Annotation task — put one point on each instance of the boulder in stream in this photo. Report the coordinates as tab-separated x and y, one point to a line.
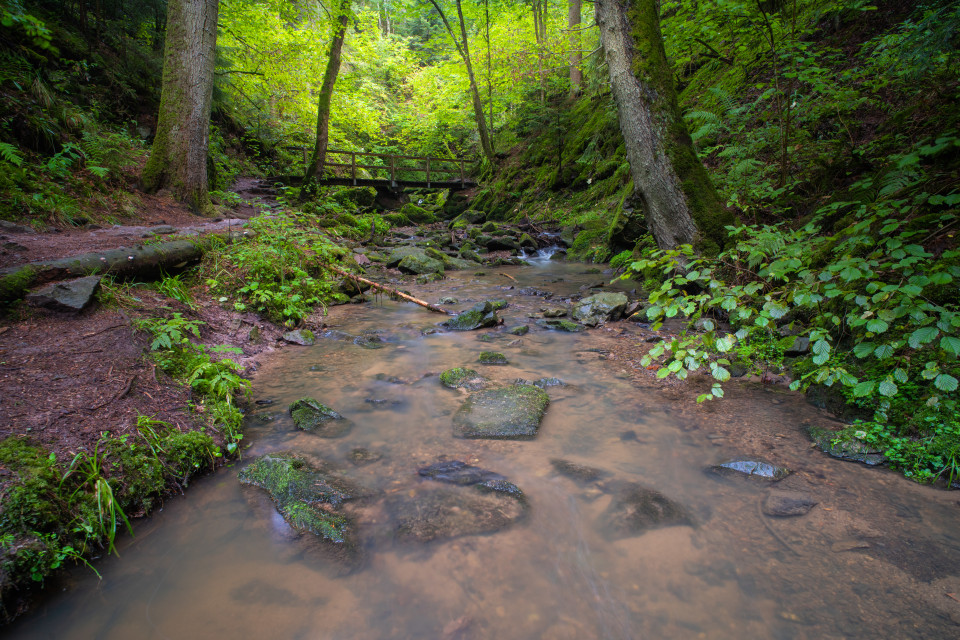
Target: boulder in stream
302	337
492	357
479	316
751	469
578	472
461	473
636	509
307	496
559	324
420	264
846	446
600	308
512	412
317	418
461	377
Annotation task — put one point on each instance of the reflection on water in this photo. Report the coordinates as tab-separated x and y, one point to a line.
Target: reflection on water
223	563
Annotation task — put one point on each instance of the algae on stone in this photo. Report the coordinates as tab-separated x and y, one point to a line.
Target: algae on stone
461	377
315	417
558	324
479	316
512	412
307	497
492	357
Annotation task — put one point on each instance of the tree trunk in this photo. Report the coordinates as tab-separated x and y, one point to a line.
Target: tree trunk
326	95
678	200
464	52
178	158
573	22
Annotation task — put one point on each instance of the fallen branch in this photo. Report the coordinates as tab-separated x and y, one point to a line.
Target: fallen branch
393	292
507	276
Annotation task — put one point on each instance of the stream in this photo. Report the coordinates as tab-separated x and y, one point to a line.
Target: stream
876	557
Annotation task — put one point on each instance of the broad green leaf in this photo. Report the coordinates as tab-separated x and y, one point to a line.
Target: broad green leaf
877	326
945	382
951	344
821	347
864	389
900	375
863	349
721	374
922	336
888	388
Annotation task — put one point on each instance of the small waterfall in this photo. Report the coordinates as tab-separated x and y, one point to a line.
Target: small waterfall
541	256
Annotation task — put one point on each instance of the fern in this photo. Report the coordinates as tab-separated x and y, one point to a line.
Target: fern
9	154
896	181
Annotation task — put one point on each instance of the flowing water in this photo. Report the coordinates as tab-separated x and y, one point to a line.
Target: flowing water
876	558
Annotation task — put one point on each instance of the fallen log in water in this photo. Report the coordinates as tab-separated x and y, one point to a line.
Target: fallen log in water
385	289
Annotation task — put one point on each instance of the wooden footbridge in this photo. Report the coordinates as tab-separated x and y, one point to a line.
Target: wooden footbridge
392	171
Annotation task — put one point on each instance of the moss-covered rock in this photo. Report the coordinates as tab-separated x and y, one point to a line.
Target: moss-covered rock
397	219
845	446
519	330
492	357
308	498
461	377
479	316
417	215
315	417
490	227
356	196
399	254
512	412
419	263
470	255
559	324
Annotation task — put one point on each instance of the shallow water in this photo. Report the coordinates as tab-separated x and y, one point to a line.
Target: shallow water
874	559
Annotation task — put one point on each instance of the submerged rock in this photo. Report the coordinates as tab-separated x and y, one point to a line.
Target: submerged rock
461	473
444	511
317	418
599	308
787	503
558	324
512	412
519	330
636	509
479	316
492	357
845	445
579	472
420	264
553	312
361	456
462	377
751	468
306	496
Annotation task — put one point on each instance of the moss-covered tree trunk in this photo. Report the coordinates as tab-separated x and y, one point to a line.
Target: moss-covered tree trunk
315	165
178	158
671	185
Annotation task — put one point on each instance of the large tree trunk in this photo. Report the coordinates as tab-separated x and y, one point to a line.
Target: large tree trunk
573	22
464	51
178	158
326	96
679	202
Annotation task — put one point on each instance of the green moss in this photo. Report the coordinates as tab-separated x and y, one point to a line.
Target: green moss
14	285
492	357
461	377
189	453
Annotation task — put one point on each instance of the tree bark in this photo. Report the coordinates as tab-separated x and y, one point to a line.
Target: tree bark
178	158
671	185
573	22
326	96
464	51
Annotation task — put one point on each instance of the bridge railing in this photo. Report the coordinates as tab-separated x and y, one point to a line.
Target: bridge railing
394	167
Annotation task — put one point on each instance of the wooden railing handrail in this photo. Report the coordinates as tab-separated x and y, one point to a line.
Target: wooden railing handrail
460	163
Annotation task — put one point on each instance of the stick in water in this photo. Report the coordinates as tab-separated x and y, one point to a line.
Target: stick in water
393	292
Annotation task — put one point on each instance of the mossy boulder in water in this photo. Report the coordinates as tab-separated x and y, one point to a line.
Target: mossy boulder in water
400	253
462	377
636	509
599	308
559	324
420	264
492	357
479	316
315	417
512	412
307	497
846	446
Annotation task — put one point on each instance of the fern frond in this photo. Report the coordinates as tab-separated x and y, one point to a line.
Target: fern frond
896	181
9	154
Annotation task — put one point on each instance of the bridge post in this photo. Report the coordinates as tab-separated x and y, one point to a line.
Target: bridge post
463	181
393	171
428	173
353	167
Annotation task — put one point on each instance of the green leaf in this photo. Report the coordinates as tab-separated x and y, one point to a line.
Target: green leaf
877	326
945	382
864	389
900	375
821	348
721	374
883	352
888	388
922	336
863	349
951	344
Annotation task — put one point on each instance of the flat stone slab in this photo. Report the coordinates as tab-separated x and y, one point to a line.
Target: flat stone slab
439	511
846	447
599	308
71	295
511	413
317	418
